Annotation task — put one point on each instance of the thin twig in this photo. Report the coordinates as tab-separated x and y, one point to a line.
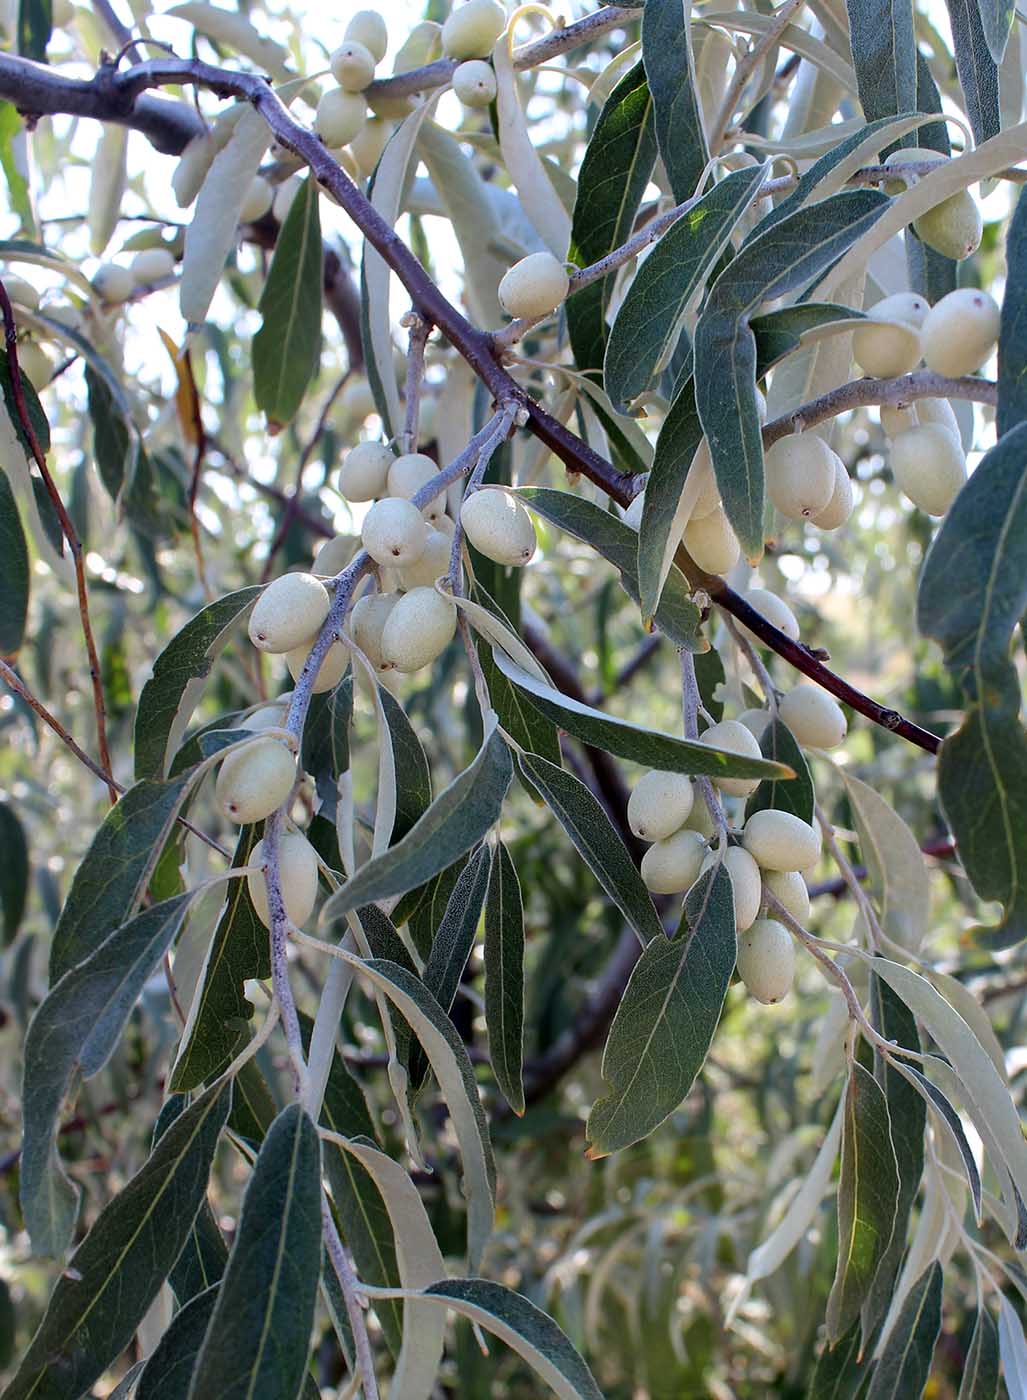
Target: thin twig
419	331
848	874
746	66
347	1277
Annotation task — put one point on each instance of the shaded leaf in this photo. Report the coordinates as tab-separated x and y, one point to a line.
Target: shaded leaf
944	1110
794	795
18	192
36	415
14	872
35	23
169	1370
980	1369
839	1373
1012	1349
413	777
896	868
14	572
122	462
678	121
884	55
666	1019
904	1366
205	1253
978	72
504	977
1012	341
325	752
287	347
454	937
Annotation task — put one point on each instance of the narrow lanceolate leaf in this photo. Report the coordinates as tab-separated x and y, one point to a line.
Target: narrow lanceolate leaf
205	1253
14	572
649	320
996	22
895	865
455	821
14	873
884	54
614	173
677	616
666	1019
453	938
789	255
978	72
169	1370
980	1369
504	977
973	593
287	348
794	795
1012	341
413	776
866	1198
905	1364
258	1339
121	460
238	951
169	697
669	496
597	842
839	1373
947	1115
1012	1349
678	121
77	1026
111	880
115	1273
325	753
650	747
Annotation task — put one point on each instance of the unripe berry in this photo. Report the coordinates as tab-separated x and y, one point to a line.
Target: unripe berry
334	555
814	717
756	721
709	496
257	200
357	400
34	363
712	543
367	146
433	563
953	228
255	780
474	83
893	347
780	840
63	12
339	117
735	738
940	413
472	29
152	265
746	885
960	332
282	202
535	286
498	526
700	819
21	293
297	868
267	717
929	467
367	623
898	418
192	167
907	155
352	65
659	805
394	532
331	670
368	27
408	474
672	865
419	628
775	610
113	284
791	889
289	612
800	475
766	960
839	507
365	471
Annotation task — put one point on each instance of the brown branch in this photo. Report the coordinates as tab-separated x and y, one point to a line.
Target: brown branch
69	531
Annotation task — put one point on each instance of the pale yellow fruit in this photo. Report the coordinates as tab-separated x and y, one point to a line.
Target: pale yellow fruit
408	474
712	543
152	265
257	200
357	401
755	721
352	65
700	819
814	717
192	167
766	961
781	841
297	869
474	83
893	346
746	885
367	146
20	292
898	418
63	12
709	497
419	628
334	555
255	780
907	155
282	202
394	532
939	412
34	363
288	613
929	467
113	283
364	472
472	29
800	475
331	670
960	332
367	623
659	805
775	610
953	228
498	526
368	27
433	563
267	717
535	286
839	507
791	889
672	865
732	737
339	117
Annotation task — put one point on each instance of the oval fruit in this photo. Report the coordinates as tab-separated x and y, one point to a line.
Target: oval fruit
152	265
800	475
672	866
746	884
113	284
339	117
257	200
892	347
839	507
732	737
659	805
394	532
929	467
297	869
535	286
775	610
289	612
712	543
365	471
433	563
474	83
368	27
953	228
255	780
498	526
814	717
791	889
419	628
766	961
472	29
781	841
960	332
352	65
367	623
331	670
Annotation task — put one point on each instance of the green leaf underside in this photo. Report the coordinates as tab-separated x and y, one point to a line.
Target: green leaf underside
14	572
904	1366
37	418
504	977
115	1273
678	121
664	1025
286	348
259	1334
